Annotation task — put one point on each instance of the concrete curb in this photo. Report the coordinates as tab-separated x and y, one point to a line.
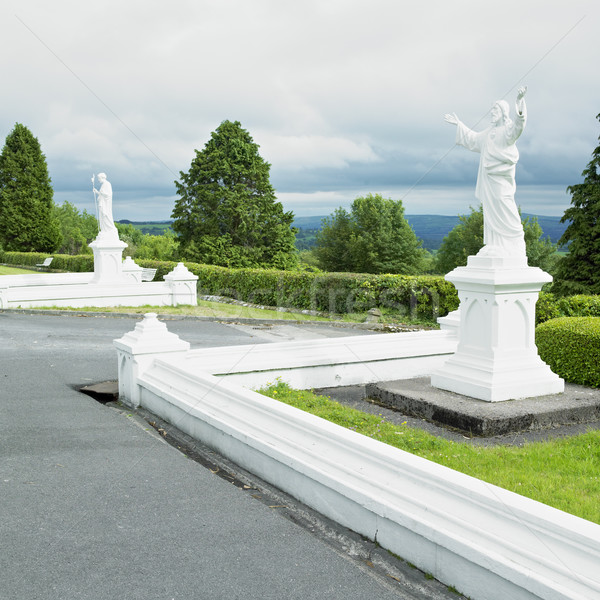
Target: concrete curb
233	320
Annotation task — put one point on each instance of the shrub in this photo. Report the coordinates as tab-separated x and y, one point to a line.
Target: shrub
61	262
420	296
550	306
579	306
546	308
570	346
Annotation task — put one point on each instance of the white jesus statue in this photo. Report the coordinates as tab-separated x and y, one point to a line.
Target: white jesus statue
502	227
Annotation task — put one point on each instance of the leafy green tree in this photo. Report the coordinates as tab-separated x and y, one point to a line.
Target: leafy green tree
131	235
227	213
579	271
466	239
374	237
158	247
541	252
77	229
27	221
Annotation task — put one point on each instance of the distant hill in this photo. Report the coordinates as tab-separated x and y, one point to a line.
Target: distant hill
430	228
151	227
308	222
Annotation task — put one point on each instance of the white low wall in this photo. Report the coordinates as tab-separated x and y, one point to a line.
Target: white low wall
44	279
80	295
325	362
487	542
76	290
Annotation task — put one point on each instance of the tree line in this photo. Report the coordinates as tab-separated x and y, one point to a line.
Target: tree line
226	213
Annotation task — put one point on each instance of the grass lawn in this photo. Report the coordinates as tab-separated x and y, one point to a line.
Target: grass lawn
563	473
13	271
204	309
217	310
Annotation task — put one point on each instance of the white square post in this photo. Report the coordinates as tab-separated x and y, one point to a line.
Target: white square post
137	350
183	285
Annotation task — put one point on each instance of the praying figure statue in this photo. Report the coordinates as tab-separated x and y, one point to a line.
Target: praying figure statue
502	227
103	198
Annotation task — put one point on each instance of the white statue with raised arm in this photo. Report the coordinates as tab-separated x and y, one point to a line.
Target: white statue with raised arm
502	227
103	198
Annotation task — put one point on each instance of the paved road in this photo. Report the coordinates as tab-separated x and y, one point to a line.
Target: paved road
95	505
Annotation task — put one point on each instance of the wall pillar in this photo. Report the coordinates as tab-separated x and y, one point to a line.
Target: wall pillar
183	284
137	350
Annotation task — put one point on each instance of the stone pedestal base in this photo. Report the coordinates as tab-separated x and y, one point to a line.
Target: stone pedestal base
496	358
108	260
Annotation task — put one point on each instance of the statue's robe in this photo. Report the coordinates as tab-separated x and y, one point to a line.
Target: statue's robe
105	216
502	227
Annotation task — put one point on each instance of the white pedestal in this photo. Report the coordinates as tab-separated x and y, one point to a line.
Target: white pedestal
108	253
496	358
132	272
183	285
137	350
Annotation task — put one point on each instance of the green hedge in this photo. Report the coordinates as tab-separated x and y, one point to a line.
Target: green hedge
550	306
61	262
571	348
421	296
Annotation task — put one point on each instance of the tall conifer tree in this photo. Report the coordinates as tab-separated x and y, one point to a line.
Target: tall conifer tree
227	213
27	221
579	271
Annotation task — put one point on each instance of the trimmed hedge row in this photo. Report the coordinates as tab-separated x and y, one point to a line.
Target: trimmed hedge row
550	306
422	296
61	262
570	346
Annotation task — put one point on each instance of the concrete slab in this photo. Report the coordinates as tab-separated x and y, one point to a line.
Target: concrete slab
416	397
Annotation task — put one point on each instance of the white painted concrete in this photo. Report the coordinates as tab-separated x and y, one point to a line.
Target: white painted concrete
81	289
497	358
326	362
108	259
487	542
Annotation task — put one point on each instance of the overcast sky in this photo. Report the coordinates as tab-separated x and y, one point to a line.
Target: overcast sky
344	97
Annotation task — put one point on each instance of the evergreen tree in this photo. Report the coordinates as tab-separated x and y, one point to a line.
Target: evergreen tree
374	237
27	220
466	239
227	213
579	271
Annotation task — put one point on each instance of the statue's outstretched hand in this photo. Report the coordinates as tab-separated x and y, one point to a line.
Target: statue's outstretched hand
521	92
451	118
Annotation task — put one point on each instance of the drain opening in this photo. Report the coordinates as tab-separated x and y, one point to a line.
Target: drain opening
104	392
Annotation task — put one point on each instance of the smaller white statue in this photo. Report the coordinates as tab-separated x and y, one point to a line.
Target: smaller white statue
103	198
502	227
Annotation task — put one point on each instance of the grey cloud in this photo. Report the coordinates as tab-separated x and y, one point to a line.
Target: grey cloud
366	84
